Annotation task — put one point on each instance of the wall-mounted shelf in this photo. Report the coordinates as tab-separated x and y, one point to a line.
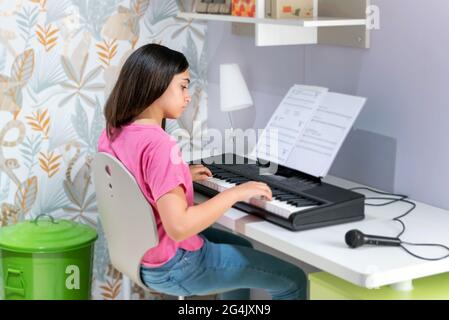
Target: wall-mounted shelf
335	22
308	22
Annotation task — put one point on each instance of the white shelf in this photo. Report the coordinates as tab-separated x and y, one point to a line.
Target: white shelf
308	22
334	22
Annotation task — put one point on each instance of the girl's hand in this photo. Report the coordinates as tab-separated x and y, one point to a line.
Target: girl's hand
252	189
199	172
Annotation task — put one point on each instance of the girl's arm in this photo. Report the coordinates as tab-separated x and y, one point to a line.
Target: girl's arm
181	221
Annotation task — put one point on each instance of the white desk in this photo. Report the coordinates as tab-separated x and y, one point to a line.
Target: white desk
368	266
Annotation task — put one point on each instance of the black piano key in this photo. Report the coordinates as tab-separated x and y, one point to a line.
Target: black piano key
232	180
228	175
281	196
224	176
276	193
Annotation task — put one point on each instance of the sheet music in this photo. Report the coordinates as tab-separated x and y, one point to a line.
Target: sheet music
309	140
317	147
288	122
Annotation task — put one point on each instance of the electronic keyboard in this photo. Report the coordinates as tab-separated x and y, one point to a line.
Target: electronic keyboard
299	202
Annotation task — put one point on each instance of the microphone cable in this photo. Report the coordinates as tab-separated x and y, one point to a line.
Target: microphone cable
393	198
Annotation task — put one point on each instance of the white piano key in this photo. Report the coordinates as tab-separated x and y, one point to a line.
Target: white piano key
277	207
281	208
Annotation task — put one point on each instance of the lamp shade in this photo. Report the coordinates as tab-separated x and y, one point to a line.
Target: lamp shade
234	93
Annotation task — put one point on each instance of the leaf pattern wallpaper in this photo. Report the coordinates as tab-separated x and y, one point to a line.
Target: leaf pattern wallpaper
59	60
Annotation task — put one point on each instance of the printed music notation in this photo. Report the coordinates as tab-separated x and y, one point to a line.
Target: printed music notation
287	123
308	128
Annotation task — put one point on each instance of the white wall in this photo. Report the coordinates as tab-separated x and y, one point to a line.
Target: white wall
402	141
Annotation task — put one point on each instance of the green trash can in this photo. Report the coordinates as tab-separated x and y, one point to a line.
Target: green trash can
46	259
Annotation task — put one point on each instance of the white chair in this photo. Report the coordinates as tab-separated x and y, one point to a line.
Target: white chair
126	216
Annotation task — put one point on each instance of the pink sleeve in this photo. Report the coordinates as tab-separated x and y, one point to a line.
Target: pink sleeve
165	169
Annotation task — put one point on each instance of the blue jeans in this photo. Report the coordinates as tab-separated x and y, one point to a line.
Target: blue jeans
225	264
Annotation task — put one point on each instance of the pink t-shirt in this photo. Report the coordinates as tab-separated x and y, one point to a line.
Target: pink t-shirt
154	159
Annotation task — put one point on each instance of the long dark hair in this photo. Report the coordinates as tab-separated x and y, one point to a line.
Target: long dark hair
144	77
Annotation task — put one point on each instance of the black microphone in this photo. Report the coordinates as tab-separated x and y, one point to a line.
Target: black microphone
356	238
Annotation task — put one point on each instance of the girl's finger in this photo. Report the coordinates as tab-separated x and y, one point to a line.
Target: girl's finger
208	172
267	192
203	176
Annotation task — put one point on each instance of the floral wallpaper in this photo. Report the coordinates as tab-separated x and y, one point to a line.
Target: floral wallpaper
59	60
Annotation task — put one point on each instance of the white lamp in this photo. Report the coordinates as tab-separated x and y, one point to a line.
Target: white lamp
234	93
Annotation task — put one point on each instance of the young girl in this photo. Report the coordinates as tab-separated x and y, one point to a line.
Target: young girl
191	258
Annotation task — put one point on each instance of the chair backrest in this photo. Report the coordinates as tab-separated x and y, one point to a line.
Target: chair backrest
126	215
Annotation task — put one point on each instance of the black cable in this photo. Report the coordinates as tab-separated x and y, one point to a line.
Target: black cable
401	198
381	204
380	192
428	245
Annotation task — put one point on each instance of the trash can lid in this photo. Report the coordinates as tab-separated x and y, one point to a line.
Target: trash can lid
43	235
